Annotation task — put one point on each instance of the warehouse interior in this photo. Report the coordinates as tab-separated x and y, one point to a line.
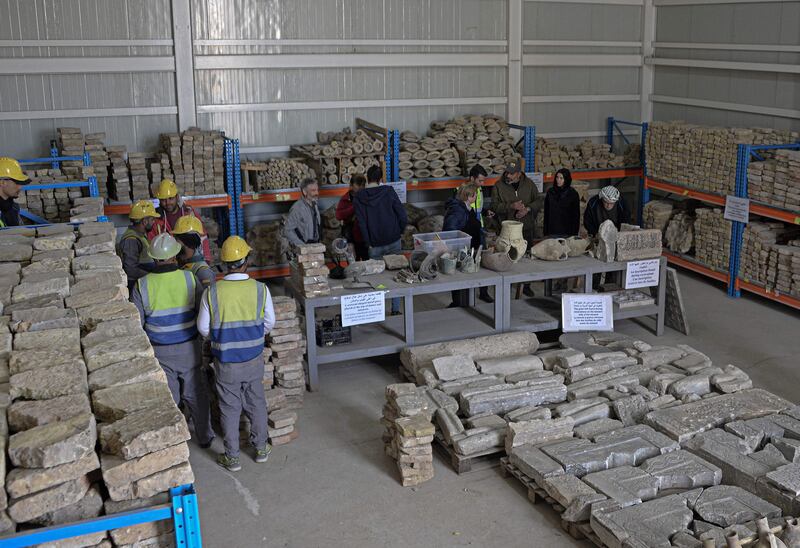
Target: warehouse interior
473	403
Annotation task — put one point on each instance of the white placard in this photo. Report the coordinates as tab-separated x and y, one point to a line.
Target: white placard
587	312
642	273
363	308
537	178
737	209
400	188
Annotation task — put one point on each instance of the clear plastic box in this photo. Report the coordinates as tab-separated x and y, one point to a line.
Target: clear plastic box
441	242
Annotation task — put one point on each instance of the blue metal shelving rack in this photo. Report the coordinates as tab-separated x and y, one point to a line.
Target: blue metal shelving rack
182	510
55	162
233	184
393	155
612	127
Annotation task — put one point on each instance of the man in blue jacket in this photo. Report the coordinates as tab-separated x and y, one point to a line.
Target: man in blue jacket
381	218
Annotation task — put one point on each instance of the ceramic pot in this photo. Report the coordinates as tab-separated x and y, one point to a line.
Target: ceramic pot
511	240
553	249
791	534
498	261
447	265
732	540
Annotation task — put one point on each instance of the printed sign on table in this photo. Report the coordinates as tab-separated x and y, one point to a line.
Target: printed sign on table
586	312
363	308
642	273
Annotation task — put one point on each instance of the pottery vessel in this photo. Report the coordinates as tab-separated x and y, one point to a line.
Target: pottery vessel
791	534
498	261
511	240
732	540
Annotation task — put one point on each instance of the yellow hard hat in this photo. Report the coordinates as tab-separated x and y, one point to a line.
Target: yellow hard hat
164	247
142	209
188	224
234	249
166	189
9	169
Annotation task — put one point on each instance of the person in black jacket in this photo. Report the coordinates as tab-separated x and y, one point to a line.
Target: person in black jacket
608	205
562	207
381	218
461	215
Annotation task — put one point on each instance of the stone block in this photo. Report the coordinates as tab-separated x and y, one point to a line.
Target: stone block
100	261
528	413
162	480
99	296
503	401
36	302
48	265
91	245
91	316
682	470
449	424
58	241
687	420
40	319
90	506
534	463
48	383
487	420
24	415
27	360
790	448
692	384
538	432
510	365
38	504
67	340
116	402
54	444
625	485
92	228
138	370
109	330
630	410
659	355
27	290
134	534
726	505
786	478
638	244
478	440
594	428
55	230
118	350
88	280
565	488
15	253
449	368
729	453
25	481
144	432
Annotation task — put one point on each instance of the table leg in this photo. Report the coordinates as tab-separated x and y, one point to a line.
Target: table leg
505	295
311	348
471	299
548	288
499	311
408	318
587	283
662	296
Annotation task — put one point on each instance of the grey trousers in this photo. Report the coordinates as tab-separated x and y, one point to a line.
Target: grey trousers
181	364
240	389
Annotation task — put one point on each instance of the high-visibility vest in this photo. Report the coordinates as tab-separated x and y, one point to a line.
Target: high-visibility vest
237	310
169	306
478	205
144	258
196	267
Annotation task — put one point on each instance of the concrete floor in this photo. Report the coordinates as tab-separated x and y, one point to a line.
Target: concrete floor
334	486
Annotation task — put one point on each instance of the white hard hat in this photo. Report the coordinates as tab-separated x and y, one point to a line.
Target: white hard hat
164	247
610	194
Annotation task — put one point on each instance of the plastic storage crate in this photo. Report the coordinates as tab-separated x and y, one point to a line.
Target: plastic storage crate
441	242
331	333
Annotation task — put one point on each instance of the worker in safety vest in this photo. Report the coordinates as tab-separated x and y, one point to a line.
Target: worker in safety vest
188	231
168	299
133	245
237	313
12	179
171	208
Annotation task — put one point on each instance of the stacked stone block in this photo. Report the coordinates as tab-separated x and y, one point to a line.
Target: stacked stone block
776	182
702	157
288	345
309	272
409	433
195	161
552	156
89	404
712	234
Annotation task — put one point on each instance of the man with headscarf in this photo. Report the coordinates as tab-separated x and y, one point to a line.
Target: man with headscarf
608	205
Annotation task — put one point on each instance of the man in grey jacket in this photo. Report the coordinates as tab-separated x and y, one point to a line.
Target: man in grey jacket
303	224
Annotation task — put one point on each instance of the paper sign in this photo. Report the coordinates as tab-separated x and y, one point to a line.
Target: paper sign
586	312
363	308
737	209
400	188
537	178
642	273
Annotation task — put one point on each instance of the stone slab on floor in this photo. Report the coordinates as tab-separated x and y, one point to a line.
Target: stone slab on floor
54	444
144	432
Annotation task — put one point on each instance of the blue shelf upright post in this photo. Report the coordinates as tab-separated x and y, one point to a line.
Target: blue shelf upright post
237	178
737	228
230	187
610	132
644	192
186	517
530	148
395	155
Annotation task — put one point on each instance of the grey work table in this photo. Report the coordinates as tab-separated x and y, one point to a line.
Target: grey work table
506	314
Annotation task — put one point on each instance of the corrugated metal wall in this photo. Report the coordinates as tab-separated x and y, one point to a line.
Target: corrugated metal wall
762	33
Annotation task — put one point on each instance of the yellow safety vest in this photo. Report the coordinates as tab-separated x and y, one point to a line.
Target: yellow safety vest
237	311
168	299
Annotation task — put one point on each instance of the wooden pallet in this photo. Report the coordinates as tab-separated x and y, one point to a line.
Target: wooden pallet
461	464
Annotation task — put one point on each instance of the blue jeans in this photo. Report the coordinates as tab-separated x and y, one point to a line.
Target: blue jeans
378	252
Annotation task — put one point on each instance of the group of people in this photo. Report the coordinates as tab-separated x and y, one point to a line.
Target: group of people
179	301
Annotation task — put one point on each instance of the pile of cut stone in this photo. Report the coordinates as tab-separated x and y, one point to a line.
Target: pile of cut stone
703	157
337	156
776	182
287	343
409	432
712	238
422	158
624	478
77	339
269	245
50	204
309	272
657	214
194	159
552	155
